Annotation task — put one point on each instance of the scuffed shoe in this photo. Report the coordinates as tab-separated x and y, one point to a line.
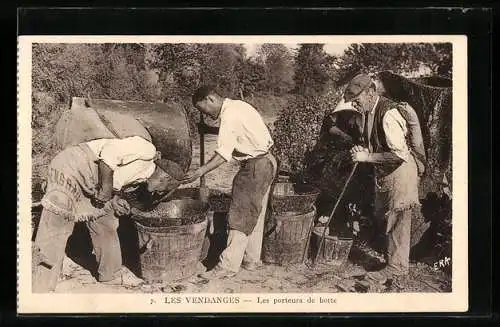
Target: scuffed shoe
69	268
251	266
379	277
200	268
383	275
125	278
217	272
354	272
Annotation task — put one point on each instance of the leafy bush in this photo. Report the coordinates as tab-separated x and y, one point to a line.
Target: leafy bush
297	127
46	112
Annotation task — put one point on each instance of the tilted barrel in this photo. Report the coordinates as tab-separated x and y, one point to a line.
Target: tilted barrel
167	127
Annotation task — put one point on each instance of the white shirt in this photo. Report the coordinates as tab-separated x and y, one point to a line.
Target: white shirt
242	129
395	130
131	158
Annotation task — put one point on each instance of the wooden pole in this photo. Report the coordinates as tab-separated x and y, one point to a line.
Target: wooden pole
203	189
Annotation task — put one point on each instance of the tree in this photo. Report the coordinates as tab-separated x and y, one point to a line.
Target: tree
311	72
183	67
219	65
251	76
278	63
401	58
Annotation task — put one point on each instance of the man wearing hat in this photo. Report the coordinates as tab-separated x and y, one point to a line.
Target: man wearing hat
83	184
396	174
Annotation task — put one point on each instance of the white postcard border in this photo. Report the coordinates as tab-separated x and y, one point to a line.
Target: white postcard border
455	301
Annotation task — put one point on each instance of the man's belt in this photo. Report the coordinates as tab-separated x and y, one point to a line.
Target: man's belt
256	157
260	156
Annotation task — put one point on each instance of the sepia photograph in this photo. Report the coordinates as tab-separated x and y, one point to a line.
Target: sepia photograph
242	173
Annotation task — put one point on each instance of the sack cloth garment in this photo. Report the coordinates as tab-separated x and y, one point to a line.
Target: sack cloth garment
71	184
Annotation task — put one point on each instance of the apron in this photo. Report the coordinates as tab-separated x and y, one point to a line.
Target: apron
399	189
250	185
397	192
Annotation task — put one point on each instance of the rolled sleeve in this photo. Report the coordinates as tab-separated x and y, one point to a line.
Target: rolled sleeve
395	132
226	141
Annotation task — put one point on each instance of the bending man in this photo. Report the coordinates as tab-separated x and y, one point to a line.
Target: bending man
73	194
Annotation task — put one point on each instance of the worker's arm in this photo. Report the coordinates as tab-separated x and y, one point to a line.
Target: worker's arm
360	154
212	164
395	131
383	157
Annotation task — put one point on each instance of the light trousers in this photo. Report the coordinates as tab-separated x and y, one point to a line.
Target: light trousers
241	247
52	236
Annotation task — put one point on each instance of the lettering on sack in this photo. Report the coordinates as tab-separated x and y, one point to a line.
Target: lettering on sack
58	177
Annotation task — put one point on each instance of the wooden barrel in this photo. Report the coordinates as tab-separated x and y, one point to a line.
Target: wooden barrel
171	252
334	250
286	242
166	127
294	197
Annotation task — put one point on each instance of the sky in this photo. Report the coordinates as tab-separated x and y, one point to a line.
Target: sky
330	48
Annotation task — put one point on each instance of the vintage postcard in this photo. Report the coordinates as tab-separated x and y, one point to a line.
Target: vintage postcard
242	174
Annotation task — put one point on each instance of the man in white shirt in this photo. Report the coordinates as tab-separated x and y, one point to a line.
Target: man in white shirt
243	136
385	146
72	186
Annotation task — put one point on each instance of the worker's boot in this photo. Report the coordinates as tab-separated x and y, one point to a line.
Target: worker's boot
383	275
251	266
218	272
124	277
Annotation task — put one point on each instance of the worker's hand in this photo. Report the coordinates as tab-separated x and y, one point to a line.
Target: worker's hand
361	156
120	206
357	148
191	176
323	219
